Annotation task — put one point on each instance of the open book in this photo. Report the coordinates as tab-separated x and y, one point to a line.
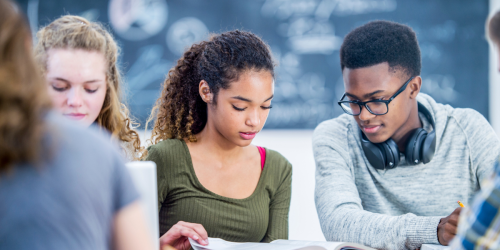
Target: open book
219	244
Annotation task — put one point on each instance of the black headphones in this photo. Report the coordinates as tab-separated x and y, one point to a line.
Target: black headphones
419	148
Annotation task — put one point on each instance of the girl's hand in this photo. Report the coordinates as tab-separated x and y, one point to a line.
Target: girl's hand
178	235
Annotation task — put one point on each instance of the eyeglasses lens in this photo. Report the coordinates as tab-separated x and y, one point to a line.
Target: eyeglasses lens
350	108
377	108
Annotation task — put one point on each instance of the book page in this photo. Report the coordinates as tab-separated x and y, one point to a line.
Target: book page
213	244
220	244
294	244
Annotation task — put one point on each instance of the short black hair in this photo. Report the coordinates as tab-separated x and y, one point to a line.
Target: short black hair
382	41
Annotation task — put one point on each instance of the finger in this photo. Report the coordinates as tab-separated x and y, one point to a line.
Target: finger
441	238
167	239
177	232
457	210
446	239
450	236
450	228
453	220
198	228
188	232
179	227
174	231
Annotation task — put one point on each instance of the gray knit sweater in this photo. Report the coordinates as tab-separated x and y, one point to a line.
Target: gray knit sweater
399	208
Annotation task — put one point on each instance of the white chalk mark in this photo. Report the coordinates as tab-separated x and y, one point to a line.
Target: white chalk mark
184	33
315	44
148	69
138	19
91	15
356	7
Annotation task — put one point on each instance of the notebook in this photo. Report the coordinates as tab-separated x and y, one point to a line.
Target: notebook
219	244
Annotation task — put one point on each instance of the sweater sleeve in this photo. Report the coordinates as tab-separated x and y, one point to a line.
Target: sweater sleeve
155	155
279	208
339	206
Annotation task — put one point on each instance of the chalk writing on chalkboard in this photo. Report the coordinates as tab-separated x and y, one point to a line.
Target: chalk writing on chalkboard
305	37
137	20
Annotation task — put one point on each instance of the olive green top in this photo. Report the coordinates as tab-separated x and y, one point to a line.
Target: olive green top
263	216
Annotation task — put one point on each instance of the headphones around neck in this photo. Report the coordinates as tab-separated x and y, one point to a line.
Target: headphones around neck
419	148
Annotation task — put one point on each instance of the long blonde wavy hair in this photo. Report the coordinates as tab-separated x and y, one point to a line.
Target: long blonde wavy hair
23	98
74	32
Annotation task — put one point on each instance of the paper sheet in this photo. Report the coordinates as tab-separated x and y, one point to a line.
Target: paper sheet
219	244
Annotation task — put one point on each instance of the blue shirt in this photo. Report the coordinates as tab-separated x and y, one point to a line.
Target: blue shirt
69	201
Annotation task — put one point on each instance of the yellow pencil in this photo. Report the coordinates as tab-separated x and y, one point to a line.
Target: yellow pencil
461	204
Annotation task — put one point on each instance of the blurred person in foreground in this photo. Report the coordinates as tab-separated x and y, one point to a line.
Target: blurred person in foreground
479	224
79	61
61	186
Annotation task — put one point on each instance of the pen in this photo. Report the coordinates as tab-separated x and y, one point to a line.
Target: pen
460	203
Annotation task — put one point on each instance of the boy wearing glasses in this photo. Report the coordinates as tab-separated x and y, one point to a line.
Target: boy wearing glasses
390	171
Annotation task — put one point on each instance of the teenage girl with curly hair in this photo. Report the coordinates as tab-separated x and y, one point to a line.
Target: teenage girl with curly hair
214	102
79	61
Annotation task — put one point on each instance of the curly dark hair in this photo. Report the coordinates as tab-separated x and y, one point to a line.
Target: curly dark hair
382	41
180	112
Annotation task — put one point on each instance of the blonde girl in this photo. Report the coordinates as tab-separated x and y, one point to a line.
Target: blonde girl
79	61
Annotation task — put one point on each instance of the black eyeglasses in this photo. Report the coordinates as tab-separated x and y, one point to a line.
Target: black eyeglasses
376	107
